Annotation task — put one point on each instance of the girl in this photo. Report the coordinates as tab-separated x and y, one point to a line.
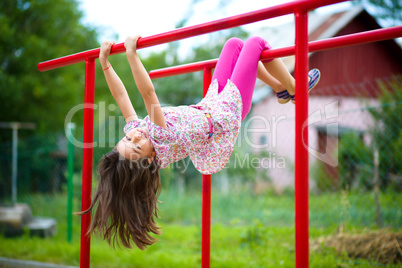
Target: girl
129	183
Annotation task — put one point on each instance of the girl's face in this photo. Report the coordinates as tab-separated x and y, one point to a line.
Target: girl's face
136	144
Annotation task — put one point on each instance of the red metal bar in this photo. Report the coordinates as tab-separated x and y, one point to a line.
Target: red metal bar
301	154
183	69
186	32
314	46
87	160
357	38
339	41
206	195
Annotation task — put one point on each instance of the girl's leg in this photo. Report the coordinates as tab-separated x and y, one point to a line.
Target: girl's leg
245	72
227	61
268	79
278	70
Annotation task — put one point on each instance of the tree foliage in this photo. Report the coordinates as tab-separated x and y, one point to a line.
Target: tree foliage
33	31
356	164
387	10
387	133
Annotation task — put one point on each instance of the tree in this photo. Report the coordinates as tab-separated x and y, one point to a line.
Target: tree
355	162
389	11
33	31
387	133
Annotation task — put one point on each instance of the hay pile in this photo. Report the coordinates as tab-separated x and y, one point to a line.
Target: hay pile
383	247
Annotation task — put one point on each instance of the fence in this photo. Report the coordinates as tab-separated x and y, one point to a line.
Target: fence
300	9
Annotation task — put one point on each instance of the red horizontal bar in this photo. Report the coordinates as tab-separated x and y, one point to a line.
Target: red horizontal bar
186	32
183	69
314	46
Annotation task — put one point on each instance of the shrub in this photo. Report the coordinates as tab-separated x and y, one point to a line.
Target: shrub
355	162
387	134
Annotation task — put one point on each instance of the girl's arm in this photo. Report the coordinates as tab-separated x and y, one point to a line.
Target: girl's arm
144	83
116	86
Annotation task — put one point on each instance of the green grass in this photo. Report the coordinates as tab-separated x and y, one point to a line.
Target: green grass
247	231
327	210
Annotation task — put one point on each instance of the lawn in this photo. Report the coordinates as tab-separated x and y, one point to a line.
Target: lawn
247	231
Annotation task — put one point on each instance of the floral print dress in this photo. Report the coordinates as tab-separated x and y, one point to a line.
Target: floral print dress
188	128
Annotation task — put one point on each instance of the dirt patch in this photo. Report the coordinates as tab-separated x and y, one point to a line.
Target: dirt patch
383	247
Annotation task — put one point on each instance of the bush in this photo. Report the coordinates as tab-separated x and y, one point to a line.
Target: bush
355	162
387	134
323	181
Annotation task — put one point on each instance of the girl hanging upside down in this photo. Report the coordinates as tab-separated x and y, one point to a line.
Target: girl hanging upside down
129	186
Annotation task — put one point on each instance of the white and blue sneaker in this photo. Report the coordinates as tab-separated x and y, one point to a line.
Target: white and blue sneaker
283	96
315	76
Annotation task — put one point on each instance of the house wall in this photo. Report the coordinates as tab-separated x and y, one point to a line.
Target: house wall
354	70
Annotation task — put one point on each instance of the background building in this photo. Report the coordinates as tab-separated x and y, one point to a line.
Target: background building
341	102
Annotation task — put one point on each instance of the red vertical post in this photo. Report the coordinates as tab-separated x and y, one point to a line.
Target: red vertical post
301	163
206	195
87	159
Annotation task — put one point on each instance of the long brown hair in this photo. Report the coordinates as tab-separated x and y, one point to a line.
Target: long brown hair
127	198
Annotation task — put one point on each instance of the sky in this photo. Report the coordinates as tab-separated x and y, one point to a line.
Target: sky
149	17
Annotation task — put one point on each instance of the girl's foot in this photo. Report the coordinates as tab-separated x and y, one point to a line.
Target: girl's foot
314	77
283	96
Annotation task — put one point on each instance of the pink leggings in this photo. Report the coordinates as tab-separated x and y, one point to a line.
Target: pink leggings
239	63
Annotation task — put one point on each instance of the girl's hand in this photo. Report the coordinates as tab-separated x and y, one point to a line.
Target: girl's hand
105	49
131	43
105	52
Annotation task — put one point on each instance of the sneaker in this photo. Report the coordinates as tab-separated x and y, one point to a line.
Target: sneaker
315	76
283	97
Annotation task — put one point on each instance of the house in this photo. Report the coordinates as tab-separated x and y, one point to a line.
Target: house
340	102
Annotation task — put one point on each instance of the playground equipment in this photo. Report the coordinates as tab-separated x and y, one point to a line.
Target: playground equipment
300	50
15	127
16	217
